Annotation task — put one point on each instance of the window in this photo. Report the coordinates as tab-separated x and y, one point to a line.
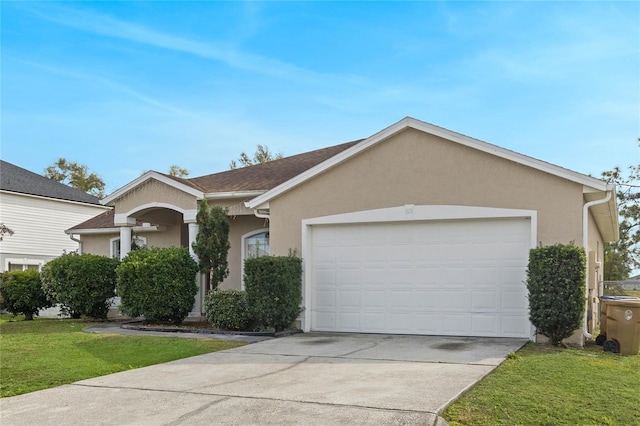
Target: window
256	245
23	264
114	250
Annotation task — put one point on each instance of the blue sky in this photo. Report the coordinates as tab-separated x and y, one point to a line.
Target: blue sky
125	87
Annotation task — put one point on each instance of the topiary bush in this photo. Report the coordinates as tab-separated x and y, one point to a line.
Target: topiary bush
83	284
227	309
556	283
21	293
157	283
274	290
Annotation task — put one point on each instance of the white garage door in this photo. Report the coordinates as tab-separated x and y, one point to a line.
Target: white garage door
452	277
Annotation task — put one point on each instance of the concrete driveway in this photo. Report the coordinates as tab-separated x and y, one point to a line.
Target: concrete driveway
311	378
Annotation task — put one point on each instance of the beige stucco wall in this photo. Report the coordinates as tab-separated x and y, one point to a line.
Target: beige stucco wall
416	168
239	226
97	243
153	191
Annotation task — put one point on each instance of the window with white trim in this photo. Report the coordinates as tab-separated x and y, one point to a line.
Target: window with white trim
23	264
256	245
114	243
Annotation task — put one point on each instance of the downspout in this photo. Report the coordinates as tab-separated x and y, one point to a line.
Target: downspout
77	241
257	213
585	243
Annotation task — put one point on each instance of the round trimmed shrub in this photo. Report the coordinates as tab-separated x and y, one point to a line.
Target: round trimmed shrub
158	284
83	284
227	309
21	293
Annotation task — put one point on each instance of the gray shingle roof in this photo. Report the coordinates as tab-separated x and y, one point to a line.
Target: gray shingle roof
22	181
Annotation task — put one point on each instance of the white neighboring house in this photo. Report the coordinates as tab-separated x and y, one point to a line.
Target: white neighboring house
38	210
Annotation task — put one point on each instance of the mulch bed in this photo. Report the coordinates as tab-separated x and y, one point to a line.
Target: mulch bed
200	327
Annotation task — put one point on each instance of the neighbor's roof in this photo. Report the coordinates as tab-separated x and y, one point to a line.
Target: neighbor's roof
22	181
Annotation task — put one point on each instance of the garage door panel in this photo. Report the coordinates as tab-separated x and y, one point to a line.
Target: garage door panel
374	299
459	277
324	320
349	321
514	301
485	300
485	325
401	323
326	298
512	325
349	299
456	324
398	299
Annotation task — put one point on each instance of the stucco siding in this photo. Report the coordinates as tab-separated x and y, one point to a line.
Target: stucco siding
153	191
239	226
97	244
413	167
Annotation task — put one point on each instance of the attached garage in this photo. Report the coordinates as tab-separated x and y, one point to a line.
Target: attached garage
437	270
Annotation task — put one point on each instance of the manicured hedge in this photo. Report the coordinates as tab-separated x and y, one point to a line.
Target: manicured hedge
21	293
556	283
83	284
227	309
274	290
157	283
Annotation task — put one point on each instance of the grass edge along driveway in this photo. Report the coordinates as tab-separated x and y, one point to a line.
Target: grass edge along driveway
546	385
45	353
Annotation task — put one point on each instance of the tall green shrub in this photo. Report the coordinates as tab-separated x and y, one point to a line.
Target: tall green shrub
274	290
83	284
227	309
556	283
21	293
212	243
157	283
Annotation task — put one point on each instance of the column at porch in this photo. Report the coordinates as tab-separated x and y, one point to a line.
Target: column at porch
196	311
193	233
125	241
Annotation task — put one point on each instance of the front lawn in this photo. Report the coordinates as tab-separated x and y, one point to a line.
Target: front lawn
545	385
45	353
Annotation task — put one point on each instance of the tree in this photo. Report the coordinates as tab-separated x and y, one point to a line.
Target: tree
212	243
76	175
262	155
622	256
178	171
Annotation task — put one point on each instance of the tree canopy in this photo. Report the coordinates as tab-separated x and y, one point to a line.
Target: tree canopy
623	256
178	171
262	155
76	175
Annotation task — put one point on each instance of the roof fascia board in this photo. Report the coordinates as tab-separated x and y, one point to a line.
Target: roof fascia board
97	231
42	197
409	122
145	177
232	194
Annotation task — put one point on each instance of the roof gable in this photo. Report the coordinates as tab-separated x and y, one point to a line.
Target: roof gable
22	181
590	183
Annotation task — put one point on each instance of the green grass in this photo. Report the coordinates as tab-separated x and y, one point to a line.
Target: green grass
545	385
45	353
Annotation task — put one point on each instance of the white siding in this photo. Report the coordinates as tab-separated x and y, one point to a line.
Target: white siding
39	224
